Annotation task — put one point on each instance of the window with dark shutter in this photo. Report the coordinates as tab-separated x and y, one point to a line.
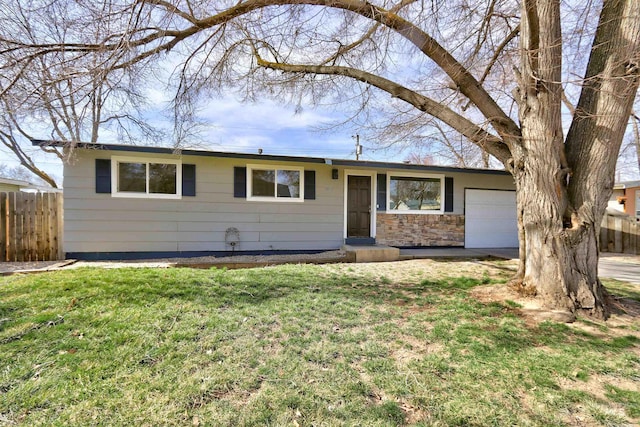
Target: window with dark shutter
309	185
103	175
240	182
188	180
448	194
381	194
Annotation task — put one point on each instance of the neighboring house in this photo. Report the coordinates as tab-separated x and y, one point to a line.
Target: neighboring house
130	201
626	198
12	185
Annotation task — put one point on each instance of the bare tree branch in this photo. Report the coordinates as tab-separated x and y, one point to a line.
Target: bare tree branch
489	142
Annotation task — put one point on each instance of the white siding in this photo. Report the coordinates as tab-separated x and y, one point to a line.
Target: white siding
96	222
102	223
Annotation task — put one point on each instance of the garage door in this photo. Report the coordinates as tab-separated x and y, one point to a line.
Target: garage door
490	219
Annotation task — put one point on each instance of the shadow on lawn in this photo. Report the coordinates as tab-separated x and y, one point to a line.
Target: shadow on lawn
447	300
312	319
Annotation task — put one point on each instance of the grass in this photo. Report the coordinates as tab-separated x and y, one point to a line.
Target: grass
300	345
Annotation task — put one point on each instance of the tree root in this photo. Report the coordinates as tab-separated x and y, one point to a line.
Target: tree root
521	288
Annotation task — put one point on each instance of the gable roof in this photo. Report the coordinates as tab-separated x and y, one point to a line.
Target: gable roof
279	158
16	182
626	184
27	186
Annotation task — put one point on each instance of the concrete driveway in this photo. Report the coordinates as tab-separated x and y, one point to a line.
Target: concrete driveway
620	266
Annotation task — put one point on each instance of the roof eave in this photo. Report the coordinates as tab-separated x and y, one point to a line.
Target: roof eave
270	157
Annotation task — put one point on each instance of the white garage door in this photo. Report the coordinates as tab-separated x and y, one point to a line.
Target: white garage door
490	219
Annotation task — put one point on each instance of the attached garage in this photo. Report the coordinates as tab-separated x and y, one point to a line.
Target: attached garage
490	219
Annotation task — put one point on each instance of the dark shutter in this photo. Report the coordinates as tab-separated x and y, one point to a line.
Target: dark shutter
309	185
381	194
239	182
103	176
448	194
188	180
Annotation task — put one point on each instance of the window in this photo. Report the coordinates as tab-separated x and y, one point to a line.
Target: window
276	184
416	194
134	177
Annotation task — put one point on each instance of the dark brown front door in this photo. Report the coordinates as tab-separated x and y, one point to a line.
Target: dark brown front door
358	206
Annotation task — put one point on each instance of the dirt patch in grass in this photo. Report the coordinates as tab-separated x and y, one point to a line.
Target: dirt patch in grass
412	272
583	414
625	311
529	308
625	308
596	384
7	268
407	354
622	322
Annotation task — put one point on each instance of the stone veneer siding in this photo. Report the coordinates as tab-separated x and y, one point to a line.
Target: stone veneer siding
419	230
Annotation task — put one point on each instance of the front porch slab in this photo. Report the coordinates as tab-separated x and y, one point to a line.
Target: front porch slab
376	253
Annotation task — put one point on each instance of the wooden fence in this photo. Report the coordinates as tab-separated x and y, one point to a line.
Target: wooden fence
620	234
30	226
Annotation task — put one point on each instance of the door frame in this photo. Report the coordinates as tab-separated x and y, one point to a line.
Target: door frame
372	175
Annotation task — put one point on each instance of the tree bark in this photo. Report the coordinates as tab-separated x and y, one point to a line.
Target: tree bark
563	186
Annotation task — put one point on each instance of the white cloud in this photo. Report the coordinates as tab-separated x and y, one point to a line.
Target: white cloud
264	115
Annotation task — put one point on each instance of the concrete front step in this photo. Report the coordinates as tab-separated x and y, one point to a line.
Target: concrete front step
376	253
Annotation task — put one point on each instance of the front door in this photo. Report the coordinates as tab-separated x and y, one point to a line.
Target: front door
358	206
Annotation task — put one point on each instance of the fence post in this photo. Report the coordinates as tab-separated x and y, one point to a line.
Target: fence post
617	235
13	227
626	241
39	233
47	236
30	225
4	227
603	243
59	217
51	227
620	234
611	225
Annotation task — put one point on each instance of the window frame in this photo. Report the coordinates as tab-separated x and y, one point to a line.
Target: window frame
391	174
115	171
274	198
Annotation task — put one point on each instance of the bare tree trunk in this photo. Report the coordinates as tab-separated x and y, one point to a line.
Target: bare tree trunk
560	268
563	187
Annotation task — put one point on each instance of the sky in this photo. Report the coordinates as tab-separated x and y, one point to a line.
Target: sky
274	128
277	129
233	126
